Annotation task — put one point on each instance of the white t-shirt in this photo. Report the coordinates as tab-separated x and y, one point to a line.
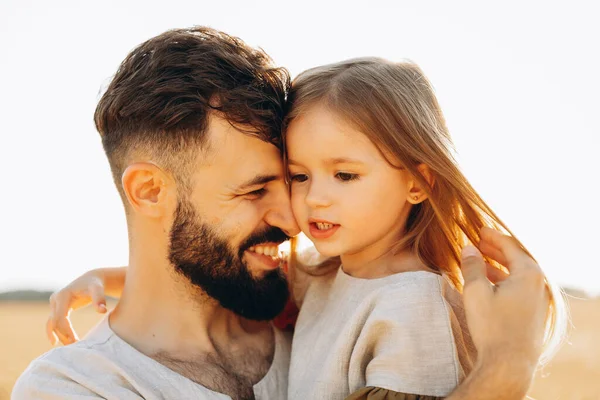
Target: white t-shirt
405	333
104	366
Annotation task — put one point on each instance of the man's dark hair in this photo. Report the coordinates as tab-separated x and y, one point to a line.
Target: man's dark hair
163	93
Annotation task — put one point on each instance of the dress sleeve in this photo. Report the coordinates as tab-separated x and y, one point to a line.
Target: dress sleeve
411	343
375	393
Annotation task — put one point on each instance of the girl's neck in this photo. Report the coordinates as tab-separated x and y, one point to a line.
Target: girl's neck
372	264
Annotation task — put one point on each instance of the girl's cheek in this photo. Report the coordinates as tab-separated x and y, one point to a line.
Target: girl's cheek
297	203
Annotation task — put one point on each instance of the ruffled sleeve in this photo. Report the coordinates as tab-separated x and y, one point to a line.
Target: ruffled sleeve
408	343
375	393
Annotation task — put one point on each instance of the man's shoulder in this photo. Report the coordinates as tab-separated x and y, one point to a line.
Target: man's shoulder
59	373
73	353
79	356
88	368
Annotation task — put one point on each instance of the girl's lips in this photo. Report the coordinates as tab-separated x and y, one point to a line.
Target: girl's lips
321	233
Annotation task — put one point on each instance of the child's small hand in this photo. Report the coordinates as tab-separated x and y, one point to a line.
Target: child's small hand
88	288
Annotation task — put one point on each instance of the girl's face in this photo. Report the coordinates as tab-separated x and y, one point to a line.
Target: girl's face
345	196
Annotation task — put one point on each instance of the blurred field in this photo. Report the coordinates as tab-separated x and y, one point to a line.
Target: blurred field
574	374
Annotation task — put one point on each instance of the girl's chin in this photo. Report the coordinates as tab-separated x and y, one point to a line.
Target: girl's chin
327	250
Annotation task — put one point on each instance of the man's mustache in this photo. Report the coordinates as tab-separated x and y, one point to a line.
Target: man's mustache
269	235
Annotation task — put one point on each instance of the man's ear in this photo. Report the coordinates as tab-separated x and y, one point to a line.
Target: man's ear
145	186
416	194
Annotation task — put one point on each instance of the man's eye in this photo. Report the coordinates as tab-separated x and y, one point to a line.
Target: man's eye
346	176
298	178
256	194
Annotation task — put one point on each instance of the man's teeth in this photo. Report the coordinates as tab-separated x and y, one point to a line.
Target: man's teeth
323	225
272	251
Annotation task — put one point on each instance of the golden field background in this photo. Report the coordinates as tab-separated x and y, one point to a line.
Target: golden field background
574	374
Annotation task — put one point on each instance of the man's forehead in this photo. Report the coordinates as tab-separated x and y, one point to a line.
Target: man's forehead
238	155
223	135
256	169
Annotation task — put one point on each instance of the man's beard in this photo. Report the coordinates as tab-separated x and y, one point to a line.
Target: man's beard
209	263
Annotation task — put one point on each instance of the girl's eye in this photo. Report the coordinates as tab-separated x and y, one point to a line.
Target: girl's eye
346	176
298	178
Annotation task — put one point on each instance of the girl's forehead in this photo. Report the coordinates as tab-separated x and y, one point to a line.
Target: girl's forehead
320	122
321	133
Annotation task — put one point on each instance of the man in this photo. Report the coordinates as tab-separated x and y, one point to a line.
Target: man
191	127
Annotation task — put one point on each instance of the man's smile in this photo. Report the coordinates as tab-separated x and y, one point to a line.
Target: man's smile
266	254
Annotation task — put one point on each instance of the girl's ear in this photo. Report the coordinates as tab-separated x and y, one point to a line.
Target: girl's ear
416	194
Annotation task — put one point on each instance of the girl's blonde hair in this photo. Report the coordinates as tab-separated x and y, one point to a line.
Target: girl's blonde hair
394	105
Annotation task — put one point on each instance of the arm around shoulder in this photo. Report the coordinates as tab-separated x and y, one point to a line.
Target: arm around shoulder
498	380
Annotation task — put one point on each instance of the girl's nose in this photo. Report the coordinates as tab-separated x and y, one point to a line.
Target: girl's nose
317	196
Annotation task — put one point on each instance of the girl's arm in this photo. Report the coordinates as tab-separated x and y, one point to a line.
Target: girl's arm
302	270
306	266
91	287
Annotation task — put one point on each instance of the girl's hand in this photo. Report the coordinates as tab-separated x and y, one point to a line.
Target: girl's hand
88	288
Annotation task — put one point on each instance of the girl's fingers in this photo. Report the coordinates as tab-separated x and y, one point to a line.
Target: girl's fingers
50	322
65	340
50	331
61	305
64	330
98	298
59	318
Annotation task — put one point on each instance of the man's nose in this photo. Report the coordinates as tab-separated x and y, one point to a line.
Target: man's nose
280	215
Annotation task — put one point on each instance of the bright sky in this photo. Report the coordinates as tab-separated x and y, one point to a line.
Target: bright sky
518	81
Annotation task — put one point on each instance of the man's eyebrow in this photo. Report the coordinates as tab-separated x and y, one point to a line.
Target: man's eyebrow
259	180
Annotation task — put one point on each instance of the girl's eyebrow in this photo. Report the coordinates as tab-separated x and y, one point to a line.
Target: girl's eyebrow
331	161
342	160
289	162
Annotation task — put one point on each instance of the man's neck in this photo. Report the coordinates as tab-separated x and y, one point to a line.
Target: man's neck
160	311
163	317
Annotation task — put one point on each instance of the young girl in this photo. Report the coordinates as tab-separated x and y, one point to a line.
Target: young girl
373	181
